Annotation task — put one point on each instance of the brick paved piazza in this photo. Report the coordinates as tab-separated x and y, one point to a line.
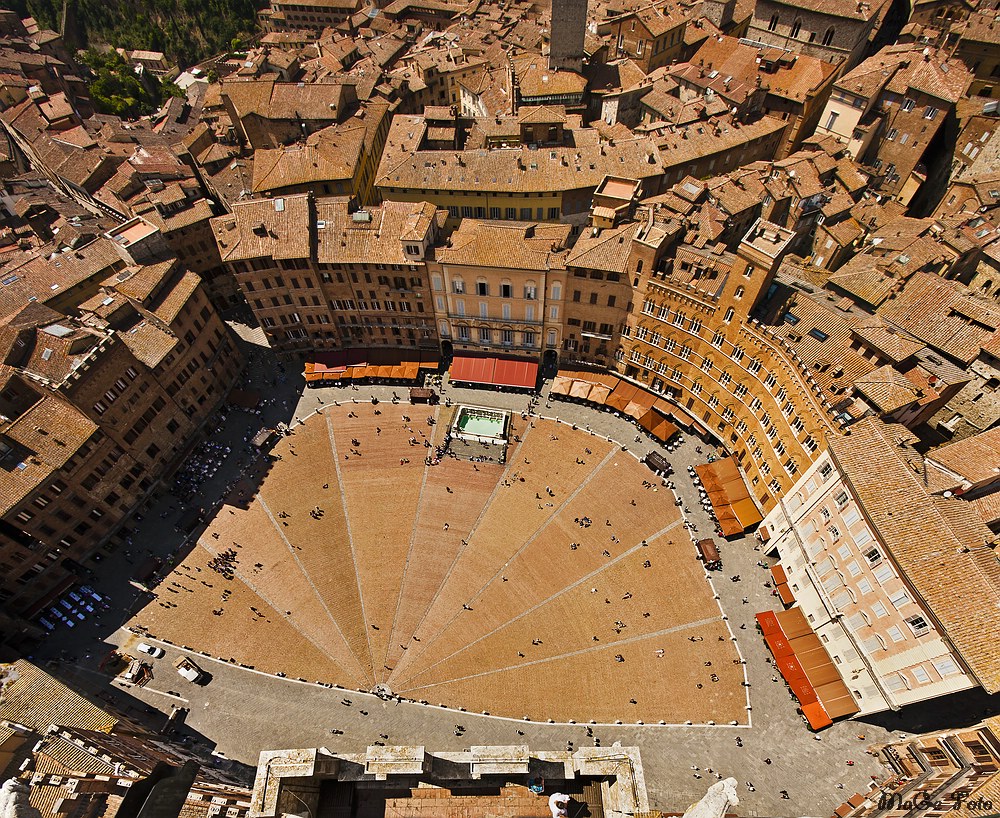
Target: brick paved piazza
469	584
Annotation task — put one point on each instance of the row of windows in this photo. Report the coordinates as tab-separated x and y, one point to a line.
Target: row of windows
530	290
485	335
509	213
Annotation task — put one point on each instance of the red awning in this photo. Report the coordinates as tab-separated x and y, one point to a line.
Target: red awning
473	370
520	374
768	622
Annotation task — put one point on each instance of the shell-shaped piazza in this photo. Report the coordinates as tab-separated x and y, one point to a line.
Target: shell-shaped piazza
559	585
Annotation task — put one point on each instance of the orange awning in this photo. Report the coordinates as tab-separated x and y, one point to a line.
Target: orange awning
599	393
785	594
729	496
561	385
635	410
411	370
779	574
621	396
580	389
805	664
649	421
816	716
664	431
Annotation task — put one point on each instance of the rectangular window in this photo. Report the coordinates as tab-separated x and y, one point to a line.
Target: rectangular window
883	573
921	675
895	634
918	625
945	666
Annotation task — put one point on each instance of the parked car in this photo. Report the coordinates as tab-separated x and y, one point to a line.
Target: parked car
150	650
190	671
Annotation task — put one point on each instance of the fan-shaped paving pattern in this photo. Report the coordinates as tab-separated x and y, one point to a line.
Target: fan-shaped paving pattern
471	584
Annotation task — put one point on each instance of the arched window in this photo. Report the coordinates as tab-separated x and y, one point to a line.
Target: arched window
773	24
796	28
739	293
828	37
444	329
556	291
457	285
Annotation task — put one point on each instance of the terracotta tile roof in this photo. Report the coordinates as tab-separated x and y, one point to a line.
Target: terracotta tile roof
658	18
988	507
537	80
278	228
976	458
866	280
542	114
344	240
32	697
937	543
148	342
173	301
834	365
926	310
40	277
141	282
609	250
886	389
510	170
894	345
845	232
270	99
797	82
683	145
61	753
946	80
44	438
58	350
329	155
522	245
981	28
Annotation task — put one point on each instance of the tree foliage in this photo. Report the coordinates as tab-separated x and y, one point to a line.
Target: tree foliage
115	88
185	30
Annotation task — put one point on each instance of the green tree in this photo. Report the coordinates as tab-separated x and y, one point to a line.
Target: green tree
115	87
